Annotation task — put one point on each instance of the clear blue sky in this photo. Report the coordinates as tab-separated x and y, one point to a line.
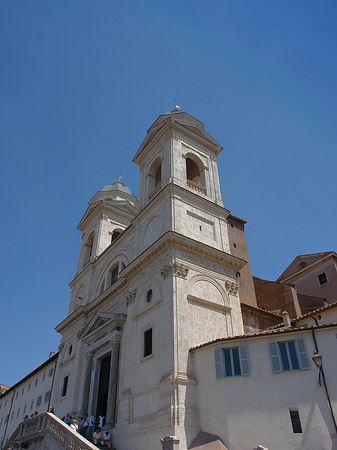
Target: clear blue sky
80	83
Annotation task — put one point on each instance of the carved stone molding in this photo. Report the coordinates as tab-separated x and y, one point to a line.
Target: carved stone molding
105	217
61	347
178	269
130	296
79	333
232	287
89	355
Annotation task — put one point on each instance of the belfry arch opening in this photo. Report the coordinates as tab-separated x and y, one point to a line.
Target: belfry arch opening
195	172
115	234
155	178
88	248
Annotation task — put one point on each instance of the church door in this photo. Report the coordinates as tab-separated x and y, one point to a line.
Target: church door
103	387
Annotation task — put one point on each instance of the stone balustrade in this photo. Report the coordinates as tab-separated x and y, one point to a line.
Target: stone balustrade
196	187
48	428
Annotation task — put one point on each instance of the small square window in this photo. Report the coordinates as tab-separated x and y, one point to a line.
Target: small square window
147	343
322	278
295	420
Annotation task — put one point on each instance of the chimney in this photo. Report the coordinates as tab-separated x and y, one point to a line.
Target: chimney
286	320
51	354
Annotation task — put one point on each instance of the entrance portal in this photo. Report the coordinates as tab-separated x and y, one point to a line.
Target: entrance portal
103	387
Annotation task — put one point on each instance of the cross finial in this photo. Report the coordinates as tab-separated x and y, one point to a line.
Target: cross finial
120	176
176	107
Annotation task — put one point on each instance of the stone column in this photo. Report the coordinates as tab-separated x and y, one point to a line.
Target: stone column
87	380
113	379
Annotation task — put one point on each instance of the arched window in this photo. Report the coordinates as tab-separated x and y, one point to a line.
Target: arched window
88	247
116	232
195	174
192	171
154	178
157	180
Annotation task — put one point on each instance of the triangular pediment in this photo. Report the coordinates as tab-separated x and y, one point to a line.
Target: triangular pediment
177	119
302	263
102	322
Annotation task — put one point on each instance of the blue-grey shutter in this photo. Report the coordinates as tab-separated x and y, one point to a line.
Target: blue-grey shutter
218	362
302	353
275	357
244	359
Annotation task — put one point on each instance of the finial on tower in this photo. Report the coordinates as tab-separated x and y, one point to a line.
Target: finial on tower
176	107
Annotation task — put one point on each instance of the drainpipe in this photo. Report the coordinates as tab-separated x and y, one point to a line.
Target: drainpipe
9	415
321	371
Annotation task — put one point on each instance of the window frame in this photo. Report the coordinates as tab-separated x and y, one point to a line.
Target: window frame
326	278
220	363
301	355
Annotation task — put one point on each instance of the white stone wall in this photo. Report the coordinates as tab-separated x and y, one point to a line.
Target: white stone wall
249	410
23	399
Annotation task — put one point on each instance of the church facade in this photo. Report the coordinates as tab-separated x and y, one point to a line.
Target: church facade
155	277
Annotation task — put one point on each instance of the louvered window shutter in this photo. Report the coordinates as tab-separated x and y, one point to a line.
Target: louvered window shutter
302	353
275	357
244	359
218	363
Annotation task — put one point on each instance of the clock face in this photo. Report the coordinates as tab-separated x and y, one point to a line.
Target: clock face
153	231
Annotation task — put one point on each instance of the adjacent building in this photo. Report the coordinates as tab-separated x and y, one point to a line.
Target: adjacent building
29	395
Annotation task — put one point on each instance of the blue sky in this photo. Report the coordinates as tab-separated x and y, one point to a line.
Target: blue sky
80	83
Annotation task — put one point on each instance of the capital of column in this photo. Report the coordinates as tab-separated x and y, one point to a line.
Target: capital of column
89	355
176	268
115	339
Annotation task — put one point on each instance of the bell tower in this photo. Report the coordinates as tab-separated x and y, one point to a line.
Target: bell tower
178	150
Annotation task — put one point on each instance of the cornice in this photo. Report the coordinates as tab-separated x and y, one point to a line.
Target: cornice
169	240
171	124
99	207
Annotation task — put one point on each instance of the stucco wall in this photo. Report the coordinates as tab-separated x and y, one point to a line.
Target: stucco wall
249	410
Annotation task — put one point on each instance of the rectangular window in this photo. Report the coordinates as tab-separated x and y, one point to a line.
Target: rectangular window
39	400
12	415
29	387
65	386
44	376
295	420
23	390
24	409
47	396
36	382
17	414
289	355
50	373
6	419
147	342
31	405
322	278
114	276
232	362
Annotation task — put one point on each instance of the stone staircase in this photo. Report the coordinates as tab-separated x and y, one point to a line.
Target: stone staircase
47	432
